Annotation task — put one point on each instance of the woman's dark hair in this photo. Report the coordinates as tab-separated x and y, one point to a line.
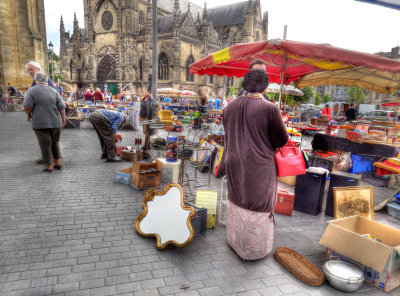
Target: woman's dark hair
255	81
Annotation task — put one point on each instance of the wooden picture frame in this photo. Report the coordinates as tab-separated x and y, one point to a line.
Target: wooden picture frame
350	201
166	217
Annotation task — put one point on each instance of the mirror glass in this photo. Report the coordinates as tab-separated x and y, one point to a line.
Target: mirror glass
166	217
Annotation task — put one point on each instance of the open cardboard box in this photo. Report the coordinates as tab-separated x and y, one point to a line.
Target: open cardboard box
345	236
289	180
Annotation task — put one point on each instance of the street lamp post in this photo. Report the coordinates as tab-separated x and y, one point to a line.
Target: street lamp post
51	68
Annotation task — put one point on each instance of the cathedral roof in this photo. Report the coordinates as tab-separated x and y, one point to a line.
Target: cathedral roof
168	5
231	14
165	24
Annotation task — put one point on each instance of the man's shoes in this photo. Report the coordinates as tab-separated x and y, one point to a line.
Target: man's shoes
103	156
113	159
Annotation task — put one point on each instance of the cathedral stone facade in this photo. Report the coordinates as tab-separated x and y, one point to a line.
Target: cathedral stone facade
115	45
22	39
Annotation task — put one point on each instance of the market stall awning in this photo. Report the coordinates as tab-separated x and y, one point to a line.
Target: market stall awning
286	89
394	4
391	104
305	64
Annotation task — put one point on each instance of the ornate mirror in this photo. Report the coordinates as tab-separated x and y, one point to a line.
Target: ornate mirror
166	217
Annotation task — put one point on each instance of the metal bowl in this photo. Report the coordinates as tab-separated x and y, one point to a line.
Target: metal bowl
343	276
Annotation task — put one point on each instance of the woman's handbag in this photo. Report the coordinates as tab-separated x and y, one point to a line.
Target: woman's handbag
289	161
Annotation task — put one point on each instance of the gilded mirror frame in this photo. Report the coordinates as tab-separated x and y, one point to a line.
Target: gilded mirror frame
150	195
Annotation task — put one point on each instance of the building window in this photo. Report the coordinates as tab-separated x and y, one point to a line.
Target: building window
141	17
107	20
212	79
163	67
141	68
189	61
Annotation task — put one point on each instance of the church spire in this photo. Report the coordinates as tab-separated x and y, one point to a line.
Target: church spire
76	24
62	28
205	12
177	13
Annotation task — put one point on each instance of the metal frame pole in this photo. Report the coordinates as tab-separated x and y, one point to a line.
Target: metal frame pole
155	63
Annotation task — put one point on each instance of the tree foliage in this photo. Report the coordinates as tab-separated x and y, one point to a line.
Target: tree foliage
326	98
308	94
356	94
317	99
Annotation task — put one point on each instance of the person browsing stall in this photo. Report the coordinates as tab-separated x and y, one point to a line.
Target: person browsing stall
98	95
351	113
106	123
254	129
148	111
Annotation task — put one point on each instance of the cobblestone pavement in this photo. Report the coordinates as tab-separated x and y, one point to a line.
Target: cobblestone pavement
71	232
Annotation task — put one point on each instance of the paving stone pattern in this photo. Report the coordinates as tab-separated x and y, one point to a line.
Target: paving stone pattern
71	232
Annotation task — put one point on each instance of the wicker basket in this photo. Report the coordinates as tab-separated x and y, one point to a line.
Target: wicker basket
299	266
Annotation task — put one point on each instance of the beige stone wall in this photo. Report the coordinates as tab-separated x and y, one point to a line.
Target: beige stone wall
22	39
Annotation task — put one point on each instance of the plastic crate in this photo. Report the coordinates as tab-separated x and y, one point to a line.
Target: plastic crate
359	157
199	222
321	162
394	209
361	166
397	195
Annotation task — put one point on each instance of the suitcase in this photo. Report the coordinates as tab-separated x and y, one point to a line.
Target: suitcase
284	203
339	179
309	191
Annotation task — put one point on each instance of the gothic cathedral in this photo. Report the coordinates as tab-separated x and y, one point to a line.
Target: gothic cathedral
114	48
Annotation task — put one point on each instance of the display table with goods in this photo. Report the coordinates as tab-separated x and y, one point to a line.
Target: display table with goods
327	142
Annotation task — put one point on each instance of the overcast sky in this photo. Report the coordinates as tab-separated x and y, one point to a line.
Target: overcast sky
344	23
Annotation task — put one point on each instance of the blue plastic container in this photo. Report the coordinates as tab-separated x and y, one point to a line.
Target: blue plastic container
397	195
359	157
361	166
172	149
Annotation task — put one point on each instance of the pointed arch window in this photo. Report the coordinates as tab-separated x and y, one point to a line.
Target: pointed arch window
189	61
141	68
141	17
163	67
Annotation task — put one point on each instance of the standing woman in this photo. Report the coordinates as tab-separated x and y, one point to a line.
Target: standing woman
45	108
253	131
148	111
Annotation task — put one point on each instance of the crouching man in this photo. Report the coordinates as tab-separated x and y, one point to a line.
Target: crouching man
106	123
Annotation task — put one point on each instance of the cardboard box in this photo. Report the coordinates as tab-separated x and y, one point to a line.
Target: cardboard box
284	203
380	259
289	180
123	175
146	174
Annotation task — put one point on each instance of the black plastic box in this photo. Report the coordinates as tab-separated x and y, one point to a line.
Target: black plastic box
199	222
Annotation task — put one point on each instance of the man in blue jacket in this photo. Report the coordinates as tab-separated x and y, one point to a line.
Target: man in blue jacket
106	123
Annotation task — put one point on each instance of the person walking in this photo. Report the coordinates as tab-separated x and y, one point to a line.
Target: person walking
106	123
254	129
59	89
32	67
45	108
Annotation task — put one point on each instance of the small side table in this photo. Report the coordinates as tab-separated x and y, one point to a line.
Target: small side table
175	166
